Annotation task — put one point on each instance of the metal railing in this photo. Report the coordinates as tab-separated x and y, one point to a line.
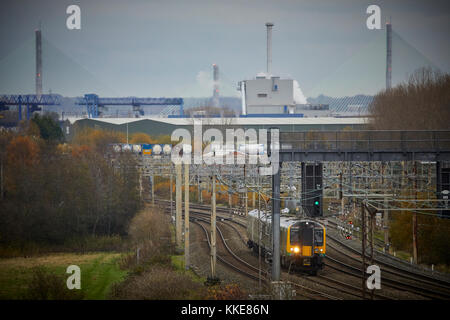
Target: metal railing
367	140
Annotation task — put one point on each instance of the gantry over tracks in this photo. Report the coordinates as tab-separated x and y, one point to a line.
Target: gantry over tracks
369	145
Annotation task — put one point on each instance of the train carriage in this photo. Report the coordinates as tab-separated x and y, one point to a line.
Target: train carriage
302	240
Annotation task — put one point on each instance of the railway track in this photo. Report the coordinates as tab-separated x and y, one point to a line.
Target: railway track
397	270
224	260
234	211
225	257
404	271
395	281
202	213
221	218
223	213
310	292
200	218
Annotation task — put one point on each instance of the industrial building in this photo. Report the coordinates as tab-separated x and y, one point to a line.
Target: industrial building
268	95
155	126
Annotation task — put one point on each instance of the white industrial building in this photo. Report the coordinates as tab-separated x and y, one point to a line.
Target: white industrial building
268	95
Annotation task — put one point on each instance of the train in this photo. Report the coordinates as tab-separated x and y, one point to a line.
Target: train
302	240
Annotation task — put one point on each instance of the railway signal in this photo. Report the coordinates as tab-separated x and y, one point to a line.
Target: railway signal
316	208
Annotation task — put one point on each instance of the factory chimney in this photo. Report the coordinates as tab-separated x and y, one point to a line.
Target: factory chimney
38	62
216	86
388	55
269	26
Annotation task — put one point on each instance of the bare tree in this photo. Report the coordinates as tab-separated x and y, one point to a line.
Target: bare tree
421	103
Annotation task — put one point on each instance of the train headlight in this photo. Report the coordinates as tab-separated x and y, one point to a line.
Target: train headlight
296	249
321	250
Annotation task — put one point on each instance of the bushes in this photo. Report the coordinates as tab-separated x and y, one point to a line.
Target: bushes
159	283
91	243
433	237
154	276
158	276
149	231
226	292
47	286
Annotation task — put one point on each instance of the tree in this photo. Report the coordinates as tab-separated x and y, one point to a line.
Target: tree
48	127
141	137
422	103
53	193
98	140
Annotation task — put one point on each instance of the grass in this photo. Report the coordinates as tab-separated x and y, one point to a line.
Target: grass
403	255
98	272
178	263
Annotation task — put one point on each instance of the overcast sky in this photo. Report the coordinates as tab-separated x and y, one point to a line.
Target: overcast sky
166	47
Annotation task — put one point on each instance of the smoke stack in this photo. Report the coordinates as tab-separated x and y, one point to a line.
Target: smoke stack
269	26
388	55
244	106
216	86
38	62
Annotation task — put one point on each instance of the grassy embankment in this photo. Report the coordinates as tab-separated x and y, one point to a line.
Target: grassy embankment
159	273
98	272
109	266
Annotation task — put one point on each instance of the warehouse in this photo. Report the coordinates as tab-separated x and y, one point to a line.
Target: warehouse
155	126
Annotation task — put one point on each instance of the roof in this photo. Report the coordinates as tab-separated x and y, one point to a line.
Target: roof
285	221
235	121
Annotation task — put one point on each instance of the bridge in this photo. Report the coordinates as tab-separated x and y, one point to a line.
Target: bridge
31	101
93	102
366	146
369	145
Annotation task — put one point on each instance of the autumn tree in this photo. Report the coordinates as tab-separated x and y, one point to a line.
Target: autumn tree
55	192
141	137
421	103
97	139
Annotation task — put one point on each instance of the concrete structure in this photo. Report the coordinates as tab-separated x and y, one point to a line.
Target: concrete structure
269	27
38	63
216	86
269	95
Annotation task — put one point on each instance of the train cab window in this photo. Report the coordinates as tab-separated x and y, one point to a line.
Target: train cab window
307	236
318	237
294	237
